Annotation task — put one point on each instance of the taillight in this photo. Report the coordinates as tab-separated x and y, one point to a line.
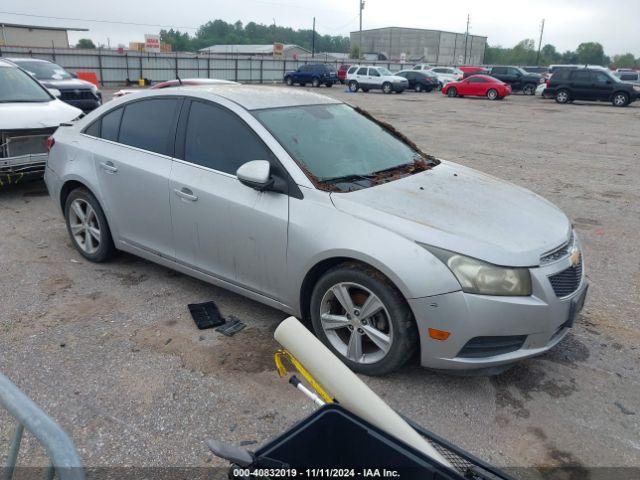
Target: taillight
50	143
548	82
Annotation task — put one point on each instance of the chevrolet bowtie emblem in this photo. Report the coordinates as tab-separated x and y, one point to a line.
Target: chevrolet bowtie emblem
574	256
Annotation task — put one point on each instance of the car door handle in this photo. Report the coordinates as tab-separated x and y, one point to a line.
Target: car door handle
186	194
109	167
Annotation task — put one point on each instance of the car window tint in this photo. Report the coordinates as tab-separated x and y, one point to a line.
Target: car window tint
477	80
111	124
219	139
352	69
93	129
581	76
628	76
601	77
362	71
148	124
373	72
417	67
499	70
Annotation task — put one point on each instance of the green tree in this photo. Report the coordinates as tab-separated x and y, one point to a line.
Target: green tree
180	42
85	43
591	53
549	55
625	61
355	51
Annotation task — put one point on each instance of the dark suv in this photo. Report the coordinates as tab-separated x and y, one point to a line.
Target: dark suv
316	74
593	84
519	79
79	93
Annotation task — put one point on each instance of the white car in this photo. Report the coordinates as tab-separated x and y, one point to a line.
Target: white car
446	74
368	77
183	82
29	114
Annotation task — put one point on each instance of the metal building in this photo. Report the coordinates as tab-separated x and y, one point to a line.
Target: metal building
420	45
35	36
275	50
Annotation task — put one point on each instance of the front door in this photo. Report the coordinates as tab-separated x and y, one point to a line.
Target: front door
582	85
220	226
133	165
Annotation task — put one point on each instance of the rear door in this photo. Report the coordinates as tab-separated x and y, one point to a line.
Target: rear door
582	85
220	226
362	77
133	165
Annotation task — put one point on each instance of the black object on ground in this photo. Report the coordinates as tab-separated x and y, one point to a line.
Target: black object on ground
231	326
206	315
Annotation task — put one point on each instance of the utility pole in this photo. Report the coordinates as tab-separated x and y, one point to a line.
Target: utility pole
540	43
313	39
361	6
466	38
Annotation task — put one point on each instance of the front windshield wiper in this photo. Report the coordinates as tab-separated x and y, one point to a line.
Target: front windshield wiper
347	178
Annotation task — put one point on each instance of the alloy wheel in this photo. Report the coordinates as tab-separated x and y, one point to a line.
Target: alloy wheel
620	100
356	322
562	97
84	225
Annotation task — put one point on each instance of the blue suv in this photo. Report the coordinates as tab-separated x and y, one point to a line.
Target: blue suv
315	74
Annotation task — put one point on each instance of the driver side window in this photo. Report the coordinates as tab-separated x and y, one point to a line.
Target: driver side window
373	72
218	139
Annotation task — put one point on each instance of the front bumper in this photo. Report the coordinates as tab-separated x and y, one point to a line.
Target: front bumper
18	169
540	321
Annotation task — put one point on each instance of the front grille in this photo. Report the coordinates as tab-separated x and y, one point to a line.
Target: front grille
567	281
15	143
480	347
77	95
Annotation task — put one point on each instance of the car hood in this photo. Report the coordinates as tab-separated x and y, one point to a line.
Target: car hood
68	84
459	209
14	116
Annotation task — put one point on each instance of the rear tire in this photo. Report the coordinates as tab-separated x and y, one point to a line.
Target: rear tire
353	86
529	89
492	94
620	99
418	88
88	227
392	325
563	96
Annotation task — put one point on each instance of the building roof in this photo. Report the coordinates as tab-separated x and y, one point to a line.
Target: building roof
42	27
247	49
419	29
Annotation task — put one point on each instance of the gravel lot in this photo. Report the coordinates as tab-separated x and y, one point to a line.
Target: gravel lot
111	352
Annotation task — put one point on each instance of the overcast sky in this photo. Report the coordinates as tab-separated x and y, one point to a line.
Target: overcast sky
613	23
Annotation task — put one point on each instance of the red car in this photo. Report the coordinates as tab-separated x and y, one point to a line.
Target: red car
342	72
468	71
478	86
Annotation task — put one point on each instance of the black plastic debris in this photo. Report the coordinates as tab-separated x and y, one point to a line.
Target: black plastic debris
231	326
206	315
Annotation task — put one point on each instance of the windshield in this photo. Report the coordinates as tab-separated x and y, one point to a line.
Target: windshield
17	86
335	142
45	70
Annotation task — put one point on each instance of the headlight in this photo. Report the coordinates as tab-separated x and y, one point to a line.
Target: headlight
636	88
482	278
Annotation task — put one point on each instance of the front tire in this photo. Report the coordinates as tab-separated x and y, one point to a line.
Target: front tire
88	227
452	92
363	319
620	99
353	86
288	81
387	88
315	82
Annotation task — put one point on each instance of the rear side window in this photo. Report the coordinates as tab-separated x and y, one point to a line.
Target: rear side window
362	71
111	125
216	138
499	70
582	76
94	128
148	124
352	70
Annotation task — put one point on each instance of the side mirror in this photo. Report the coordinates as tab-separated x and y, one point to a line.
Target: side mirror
256	174
55	92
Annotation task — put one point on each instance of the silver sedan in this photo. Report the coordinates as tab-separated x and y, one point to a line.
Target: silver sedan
314	207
